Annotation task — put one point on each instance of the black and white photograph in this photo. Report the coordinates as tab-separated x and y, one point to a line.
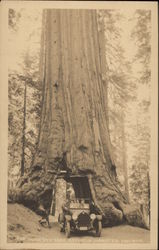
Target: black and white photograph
81	125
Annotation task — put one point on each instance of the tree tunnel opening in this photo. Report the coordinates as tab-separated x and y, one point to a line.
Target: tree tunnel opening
81	186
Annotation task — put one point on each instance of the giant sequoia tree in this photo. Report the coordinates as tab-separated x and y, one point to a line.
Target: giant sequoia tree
73	128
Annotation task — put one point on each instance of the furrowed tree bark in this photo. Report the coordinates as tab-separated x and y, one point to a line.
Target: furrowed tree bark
23	134
73	129
124	158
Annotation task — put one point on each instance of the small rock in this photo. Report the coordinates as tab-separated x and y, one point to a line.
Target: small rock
12	237
19	241
19	226
11	227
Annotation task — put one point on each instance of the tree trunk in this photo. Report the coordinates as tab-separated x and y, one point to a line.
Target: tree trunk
73	130
124	158
23	135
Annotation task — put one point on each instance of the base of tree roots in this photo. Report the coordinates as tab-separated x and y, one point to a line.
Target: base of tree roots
36	188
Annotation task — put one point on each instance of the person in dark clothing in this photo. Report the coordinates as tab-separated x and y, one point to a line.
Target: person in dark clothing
94	208
44	214
65	210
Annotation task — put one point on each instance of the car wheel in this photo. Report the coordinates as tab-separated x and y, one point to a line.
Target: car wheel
98	229
67	229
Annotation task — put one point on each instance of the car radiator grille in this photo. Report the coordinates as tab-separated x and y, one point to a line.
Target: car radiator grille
83	219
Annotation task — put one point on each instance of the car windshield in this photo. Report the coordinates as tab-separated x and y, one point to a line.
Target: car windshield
80	203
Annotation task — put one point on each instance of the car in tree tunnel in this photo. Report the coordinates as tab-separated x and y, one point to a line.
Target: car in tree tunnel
80	215
79	212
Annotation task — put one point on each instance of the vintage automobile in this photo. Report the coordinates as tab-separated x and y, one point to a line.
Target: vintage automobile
78	217
80	214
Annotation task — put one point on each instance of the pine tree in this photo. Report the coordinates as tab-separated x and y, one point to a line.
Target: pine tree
139	178
24	106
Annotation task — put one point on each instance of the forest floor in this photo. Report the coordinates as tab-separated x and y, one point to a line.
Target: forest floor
23	226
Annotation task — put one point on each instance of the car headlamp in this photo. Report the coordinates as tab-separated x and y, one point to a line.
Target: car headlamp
99	217
74	216
93	216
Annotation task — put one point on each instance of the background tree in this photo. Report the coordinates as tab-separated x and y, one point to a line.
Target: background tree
120	89
24	76
139	177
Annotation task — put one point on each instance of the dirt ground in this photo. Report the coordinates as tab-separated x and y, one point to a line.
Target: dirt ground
23	226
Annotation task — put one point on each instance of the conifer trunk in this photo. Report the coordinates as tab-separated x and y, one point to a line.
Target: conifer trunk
124	159
23	132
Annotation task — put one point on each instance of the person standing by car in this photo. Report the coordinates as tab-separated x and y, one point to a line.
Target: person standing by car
66	208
